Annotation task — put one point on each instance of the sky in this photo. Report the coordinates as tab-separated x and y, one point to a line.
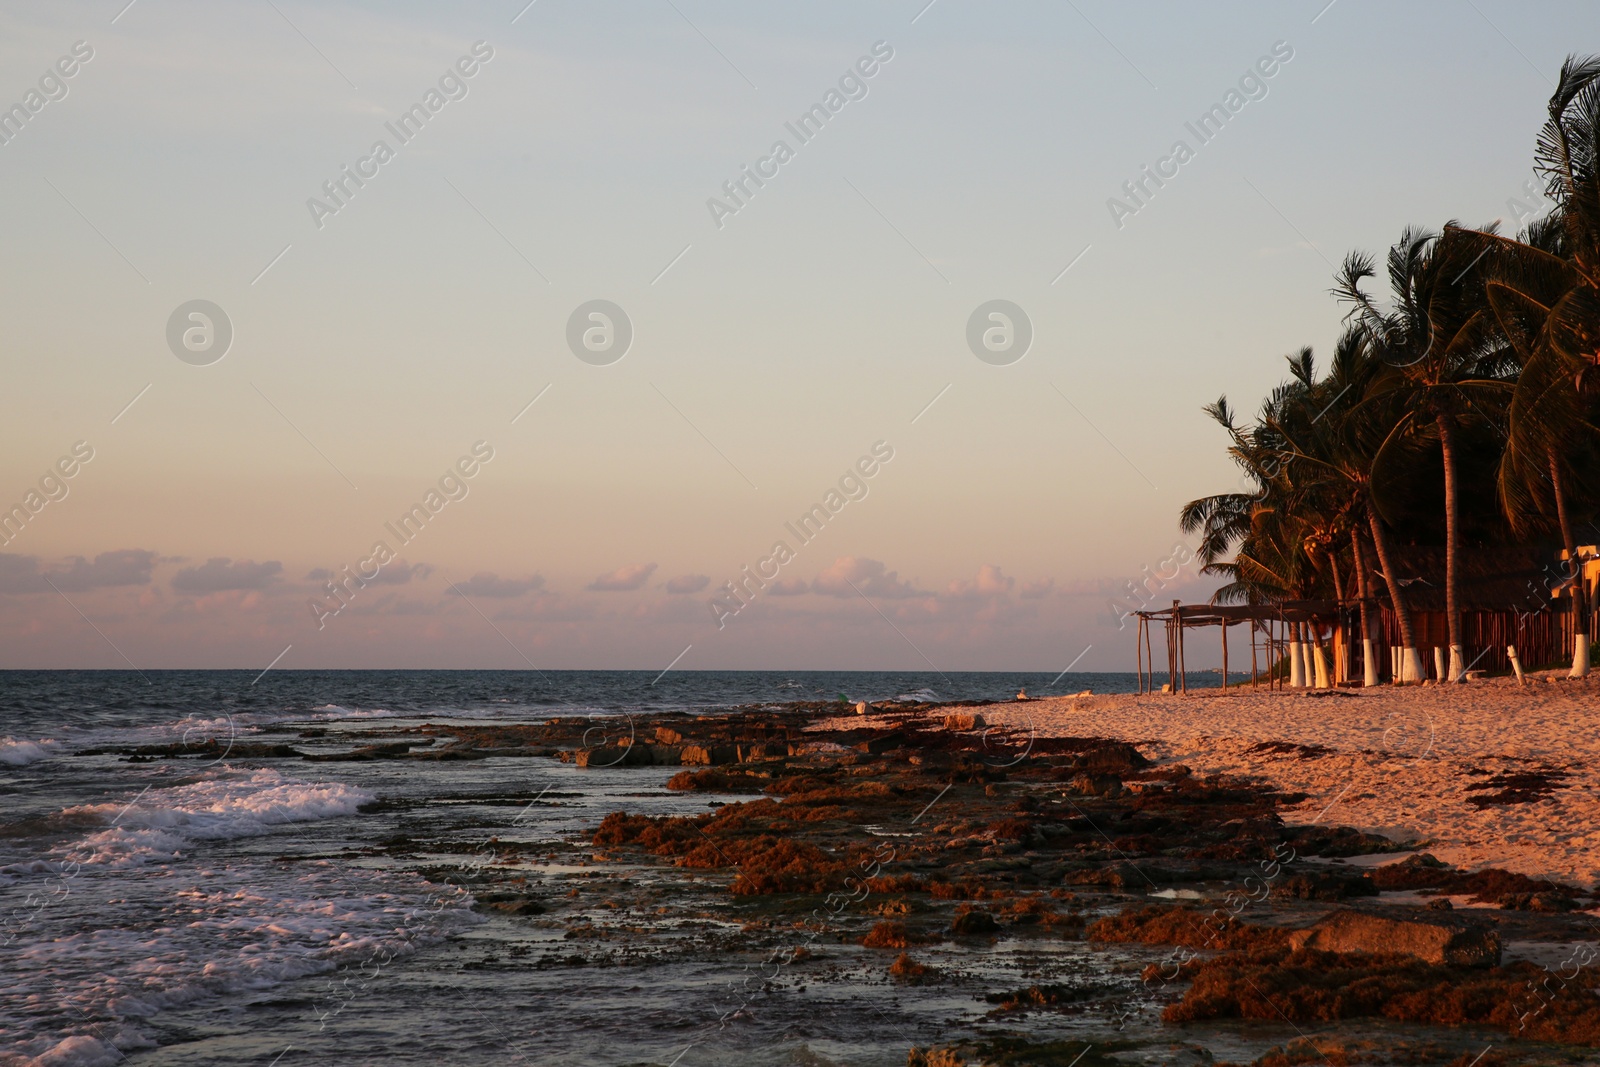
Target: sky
759	348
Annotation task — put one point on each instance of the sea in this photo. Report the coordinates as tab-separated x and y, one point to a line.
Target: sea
227	910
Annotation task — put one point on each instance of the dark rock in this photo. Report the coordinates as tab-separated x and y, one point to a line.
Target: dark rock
1336	841
214	748
1545	902
1095	785
394	750
1422	871
509	903
1120	875
1113	757
973	921
1324	885
603	756
886	743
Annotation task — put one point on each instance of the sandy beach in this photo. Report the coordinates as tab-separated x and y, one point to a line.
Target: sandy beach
1407	763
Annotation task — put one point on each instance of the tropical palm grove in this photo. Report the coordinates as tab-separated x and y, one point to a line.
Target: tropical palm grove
1450	439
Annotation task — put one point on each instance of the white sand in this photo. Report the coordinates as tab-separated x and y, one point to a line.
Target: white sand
1400	764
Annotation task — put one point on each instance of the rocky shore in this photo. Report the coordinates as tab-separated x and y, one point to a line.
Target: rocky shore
1175	912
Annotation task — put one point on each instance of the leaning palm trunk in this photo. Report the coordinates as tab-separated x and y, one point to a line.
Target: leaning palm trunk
1580	614
1369	666
1410	662
1452	542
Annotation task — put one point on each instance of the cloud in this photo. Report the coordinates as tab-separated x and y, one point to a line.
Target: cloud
633	576
990	583
129	566
789	587
399	573
1038	589
688	583
220	573
396	573
487	584
869	576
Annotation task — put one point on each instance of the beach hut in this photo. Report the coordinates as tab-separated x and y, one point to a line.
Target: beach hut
1509	596
1269	628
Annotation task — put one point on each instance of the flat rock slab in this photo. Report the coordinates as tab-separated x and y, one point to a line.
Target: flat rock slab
1441	941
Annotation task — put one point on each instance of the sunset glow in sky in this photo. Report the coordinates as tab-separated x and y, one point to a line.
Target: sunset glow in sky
415	361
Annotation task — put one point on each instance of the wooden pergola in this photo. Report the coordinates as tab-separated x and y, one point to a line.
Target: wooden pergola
1269	627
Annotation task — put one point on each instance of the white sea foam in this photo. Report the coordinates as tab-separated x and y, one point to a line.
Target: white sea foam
159	825
17	753
192	936
82	1050
333	712
142	931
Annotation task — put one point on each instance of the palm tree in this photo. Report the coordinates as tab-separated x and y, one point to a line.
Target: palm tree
1546	294
1440	338
1335	442
1547	418
1249	526
1311	485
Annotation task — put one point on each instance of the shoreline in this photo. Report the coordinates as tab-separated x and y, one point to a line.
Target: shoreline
1487	774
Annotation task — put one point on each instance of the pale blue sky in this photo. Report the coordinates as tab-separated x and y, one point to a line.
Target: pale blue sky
821	318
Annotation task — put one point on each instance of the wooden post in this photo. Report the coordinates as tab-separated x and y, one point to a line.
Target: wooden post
1266	644
1224	655
1266	640
1149	656
1272	653
1280	650
1172	653
1516	664
1255	676
1183	669
1138	649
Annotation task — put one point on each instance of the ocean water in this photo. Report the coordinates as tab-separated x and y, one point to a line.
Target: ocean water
211	910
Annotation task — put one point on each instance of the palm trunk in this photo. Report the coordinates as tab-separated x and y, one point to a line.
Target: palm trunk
1335	669
1318	673
1297	659
1580	614
1369	669
1410	664
1452	544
